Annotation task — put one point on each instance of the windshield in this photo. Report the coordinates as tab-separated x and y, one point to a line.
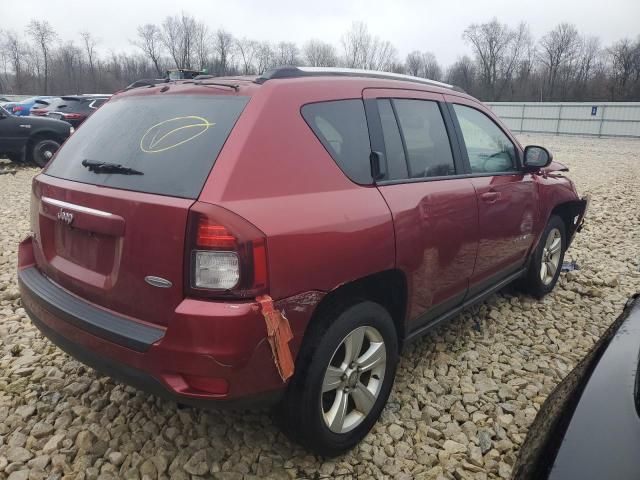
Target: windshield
173	140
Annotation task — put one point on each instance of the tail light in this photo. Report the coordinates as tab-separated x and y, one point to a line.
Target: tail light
225	255
72	116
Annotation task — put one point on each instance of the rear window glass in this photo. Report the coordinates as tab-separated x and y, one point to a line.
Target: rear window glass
341	126
173	140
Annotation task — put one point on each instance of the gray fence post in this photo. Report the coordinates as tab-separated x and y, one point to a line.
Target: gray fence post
559	117
522	118
604	108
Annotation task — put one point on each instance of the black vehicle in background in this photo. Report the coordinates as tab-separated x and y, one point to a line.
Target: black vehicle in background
73	109
589	427
31	138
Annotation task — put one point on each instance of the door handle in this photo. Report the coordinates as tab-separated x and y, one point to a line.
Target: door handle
490	197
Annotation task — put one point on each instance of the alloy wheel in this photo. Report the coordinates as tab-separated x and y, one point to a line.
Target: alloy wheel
551	256
353	379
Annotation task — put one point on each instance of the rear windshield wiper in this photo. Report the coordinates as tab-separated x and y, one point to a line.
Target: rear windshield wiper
106	167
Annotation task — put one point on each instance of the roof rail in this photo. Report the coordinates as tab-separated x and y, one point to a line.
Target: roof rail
295	72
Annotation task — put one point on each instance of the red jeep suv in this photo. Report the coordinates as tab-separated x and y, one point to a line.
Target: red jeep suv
280	238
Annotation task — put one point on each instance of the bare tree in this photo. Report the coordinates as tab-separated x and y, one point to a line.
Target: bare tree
623	60
381	55
202	45
423	64
265	57
356	43
247	50
178	36
497	49
90	43
69	60
224	44
150	42
317	53
463	74
431	67
362	50
414	63
43	35
559	49
15	51
286	53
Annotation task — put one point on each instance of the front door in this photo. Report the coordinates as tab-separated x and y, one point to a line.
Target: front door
506	196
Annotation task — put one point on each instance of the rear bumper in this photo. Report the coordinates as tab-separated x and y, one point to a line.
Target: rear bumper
145	381
211	354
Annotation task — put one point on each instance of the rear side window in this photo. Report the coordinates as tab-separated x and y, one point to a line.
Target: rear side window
425	136
173	140
341	126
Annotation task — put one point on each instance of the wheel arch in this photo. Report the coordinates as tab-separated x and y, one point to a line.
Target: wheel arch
569	212
44	135
388	288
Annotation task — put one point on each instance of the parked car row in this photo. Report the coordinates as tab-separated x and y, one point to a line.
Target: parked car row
25	137
74	107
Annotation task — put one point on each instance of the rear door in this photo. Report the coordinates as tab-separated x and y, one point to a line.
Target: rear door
506	194
100	234
434	207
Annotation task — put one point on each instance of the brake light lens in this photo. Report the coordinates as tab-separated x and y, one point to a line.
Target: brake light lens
213	236
72	116
225	255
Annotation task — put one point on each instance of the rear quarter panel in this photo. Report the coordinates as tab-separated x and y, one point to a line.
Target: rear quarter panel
322	229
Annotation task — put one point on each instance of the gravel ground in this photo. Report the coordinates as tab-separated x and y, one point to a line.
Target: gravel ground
462	402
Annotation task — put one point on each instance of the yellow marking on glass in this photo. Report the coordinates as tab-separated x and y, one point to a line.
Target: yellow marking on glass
203	123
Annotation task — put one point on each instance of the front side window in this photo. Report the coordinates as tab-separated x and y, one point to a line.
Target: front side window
426	141
488	148
341	127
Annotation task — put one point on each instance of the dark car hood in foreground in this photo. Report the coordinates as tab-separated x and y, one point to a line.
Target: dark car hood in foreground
589	427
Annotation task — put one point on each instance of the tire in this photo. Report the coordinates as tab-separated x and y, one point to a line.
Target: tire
43	150
310	417
540	280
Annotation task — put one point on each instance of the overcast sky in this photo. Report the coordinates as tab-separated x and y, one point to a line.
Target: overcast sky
434	25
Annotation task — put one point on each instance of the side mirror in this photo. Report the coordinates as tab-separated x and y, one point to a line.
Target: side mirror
536	157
